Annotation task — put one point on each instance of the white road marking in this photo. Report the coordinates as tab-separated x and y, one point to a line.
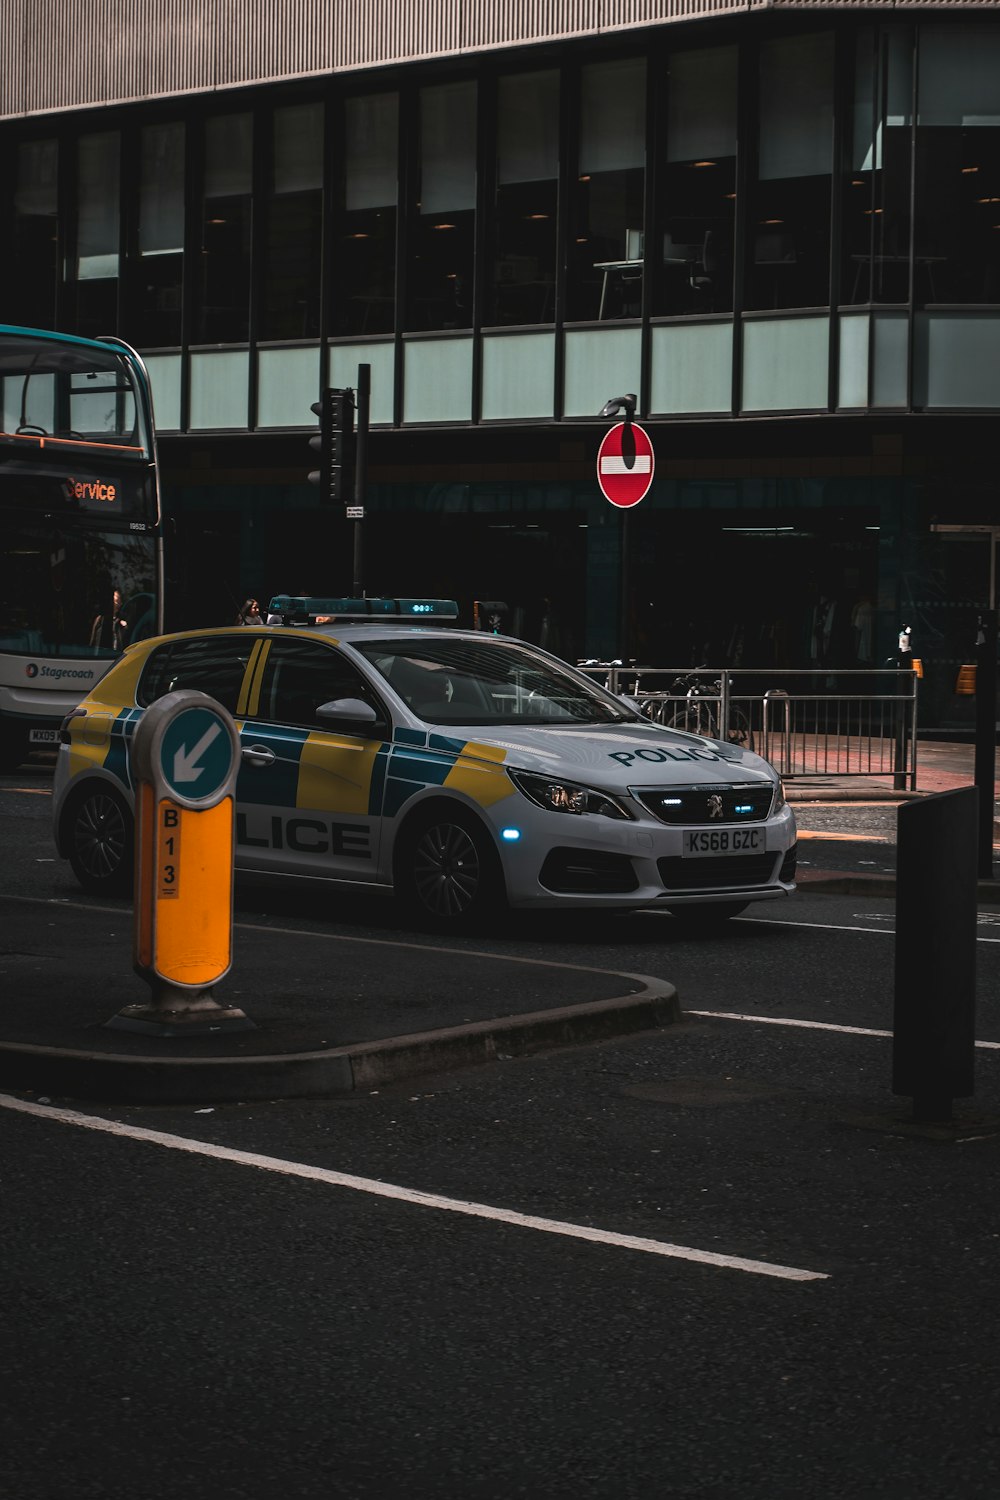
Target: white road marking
408	1195
735	1015
836	927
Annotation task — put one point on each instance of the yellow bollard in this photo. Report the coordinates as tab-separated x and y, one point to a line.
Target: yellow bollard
185	760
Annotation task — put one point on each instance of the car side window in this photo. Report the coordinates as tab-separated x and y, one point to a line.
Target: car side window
211	664
301	675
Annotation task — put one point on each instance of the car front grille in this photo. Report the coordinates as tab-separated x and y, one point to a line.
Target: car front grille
749	803
728	870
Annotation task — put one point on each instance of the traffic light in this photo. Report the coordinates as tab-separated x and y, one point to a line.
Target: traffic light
334	444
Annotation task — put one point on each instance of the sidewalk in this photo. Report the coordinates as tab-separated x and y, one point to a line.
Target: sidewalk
941	767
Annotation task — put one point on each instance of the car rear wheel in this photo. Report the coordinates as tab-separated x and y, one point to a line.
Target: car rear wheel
447	872
99	841
700	918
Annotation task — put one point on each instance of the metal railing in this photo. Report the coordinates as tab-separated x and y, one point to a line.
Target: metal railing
860	722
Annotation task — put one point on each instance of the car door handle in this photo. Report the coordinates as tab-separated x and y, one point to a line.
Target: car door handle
258	755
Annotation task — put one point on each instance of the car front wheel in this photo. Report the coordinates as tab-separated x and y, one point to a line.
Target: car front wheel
99	841
447	871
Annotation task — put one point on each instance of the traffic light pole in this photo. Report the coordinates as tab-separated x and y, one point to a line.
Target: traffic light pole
361	472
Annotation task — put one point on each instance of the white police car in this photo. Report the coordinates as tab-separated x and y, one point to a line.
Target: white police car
460	769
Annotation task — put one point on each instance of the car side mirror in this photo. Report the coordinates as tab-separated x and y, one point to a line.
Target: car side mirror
344	713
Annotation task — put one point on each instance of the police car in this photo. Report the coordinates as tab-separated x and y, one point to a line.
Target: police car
462	770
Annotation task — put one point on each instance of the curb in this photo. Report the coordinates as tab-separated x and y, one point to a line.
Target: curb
859	795
836	884
113	1078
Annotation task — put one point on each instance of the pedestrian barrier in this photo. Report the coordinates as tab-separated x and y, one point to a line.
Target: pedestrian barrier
859	722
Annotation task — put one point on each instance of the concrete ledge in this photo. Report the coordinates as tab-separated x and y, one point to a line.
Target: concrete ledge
113	1078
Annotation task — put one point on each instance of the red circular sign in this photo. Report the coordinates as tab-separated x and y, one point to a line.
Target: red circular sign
625	464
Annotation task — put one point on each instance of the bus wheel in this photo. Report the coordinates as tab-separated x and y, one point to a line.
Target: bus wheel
99	841
447	872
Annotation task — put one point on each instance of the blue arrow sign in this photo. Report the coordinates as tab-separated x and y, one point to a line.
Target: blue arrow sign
196	753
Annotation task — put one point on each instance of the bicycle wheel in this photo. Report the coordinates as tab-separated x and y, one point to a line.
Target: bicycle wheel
695	719
740	732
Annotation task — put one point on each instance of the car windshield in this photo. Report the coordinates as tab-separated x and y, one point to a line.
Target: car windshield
455	681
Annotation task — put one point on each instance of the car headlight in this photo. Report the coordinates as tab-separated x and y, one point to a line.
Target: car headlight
779	797
556	795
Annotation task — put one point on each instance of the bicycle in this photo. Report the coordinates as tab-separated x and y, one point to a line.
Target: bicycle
700	711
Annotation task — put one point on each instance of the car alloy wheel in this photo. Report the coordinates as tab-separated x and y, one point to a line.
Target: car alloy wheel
100	842
448	872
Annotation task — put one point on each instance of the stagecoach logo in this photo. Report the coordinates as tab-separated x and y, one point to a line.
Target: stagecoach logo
91	489
60	674
714	805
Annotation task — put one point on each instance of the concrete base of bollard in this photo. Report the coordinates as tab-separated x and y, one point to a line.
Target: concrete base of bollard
174	1012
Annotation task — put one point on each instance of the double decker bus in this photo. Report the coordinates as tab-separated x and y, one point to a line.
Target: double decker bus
81	537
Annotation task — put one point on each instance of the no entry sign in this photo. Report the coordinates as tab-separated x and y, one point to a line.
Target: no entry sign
625	464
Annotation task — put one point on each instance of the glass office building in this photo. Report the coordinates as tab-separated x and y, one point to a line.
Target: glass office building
779	229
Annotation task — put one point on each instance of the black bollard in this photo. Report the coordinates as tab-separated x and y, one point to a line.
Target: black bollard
934	1021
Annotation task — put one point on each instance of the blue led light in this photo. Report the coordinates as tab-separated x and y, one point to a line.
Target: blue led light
511	835
744	807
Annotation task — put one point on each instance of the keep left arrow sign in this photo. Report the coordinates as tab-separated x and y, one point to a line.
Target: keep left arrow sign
185	760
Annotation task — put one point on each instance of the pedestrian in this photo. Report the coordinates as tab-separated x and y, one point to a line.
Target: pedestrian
250	613
110	628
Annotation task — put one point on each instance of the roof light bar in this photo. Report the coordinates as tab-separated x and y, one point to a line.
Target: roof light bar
303	609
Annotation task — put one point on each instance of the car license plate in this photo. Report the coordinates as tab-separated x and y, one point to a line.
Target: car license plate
43	736
725	840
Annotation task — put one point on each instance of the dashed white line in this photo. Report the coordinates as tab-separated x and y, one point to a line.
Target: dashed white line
409	1195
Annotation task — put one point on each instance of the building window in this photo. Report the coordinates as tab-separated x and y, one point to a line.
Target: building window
36	232
161	236
222	314
522	289
442	243
875	265
92	272
956	238
788	229
364	291
606	237
294	230
696	187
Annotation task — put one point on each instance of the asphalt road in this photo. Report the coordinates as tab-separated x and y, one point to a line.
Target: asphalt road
714	1261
